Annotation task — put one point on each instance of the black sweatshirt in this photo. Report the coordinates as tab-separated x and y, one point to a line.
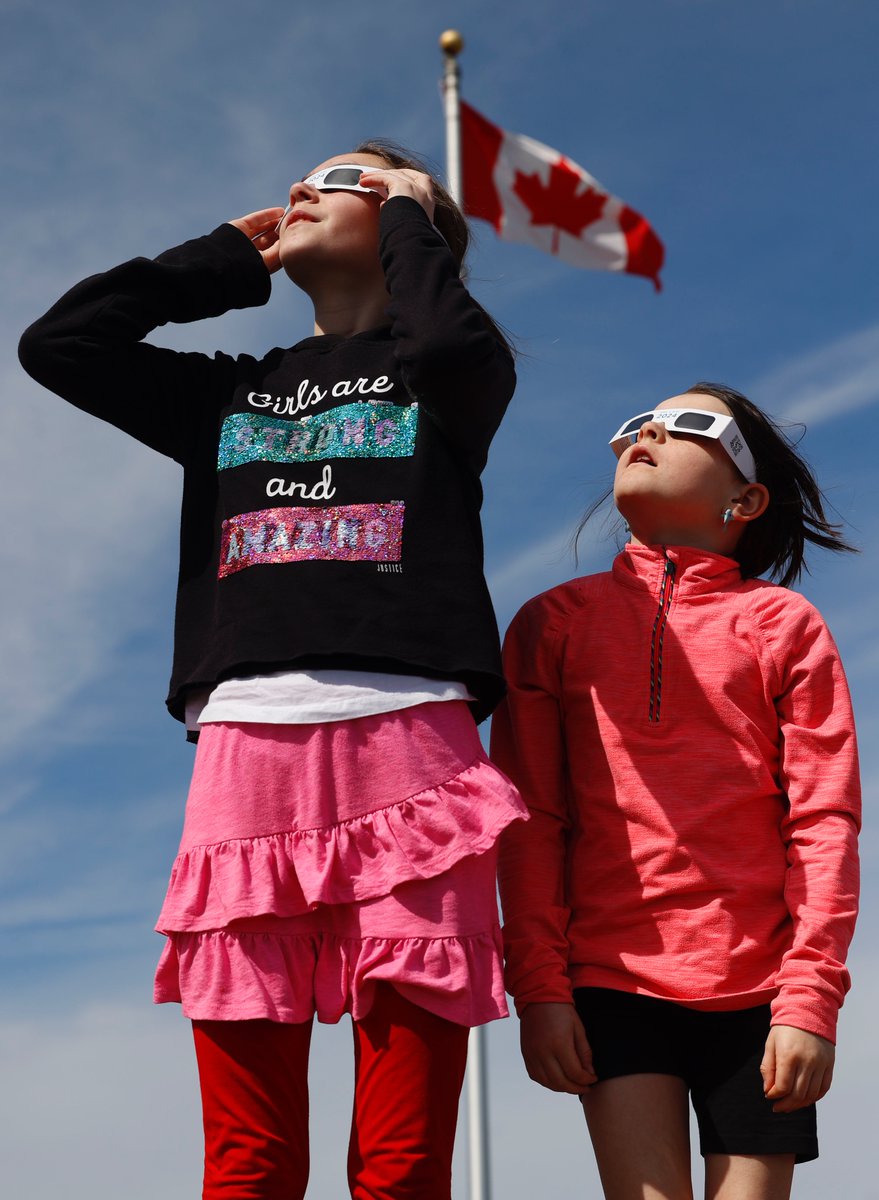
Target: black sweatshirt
331	494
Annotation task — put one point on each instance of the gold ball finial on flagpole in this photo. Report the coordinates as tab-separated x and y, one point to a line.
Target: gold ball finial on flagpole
451	43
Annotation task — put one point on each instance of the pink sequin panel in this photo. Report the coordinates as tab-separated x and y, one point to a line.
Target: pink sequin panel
347	532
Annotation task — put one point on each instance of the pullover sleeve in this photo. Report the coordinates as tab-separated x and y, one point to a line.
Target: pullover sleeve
527	742
819	773
451	360
88	348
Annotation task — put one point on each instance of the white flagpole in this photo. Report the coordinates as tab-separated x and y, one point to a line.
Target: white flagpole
452	44
477	1114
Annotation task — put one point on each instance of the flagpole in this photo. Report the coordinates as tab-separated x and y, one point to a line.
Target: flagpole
477	1116
451	44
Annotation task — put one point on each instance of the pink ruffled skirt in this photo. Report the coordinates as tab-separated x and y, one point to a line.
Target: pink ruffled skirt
318	859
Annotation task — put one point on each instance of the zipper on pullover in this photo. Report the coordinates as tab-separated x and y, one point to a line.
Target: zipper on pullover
666	593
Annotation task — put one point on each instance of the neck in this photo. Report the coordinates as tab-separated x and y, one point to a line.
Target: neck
723	542
348	318
345	305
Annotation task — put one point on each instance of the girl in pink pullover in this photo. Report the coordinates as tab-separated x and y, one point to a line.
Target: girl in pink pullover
679	907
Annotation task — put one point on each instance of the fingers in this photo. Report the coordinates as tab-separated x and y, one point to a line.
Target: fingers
551	1074
262	229
402	182
797	1068
555	1049
767	1067
558	1071
584	1051
806	1087
258	223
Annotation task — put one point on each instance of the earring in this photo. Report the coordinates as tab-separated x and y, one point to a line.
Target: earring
727	517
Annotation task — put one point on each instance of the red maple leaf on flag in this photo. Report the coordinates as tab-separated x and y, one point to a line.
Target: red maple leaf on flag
557	203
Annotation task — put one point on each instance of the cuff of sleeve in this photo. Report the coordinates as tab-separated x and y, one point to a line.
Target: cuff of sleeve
216	273
558	995
398	210
253	283
539	986
805	1011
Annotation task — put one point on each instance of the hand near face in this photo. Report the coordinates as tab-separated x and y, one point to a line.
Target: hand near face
402	182
261	228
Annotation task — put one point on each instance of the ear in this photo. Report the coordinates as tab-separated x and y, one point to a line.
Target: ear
750	503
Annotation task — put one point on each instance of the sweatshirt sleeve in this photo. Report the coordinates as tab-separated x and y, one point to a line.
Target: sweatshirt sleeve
819	773
527	743
452	362
88	347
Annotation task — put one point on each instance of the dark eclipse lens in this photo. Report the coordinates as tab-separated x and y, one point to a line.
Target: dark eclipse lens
694	420
635	424
342	176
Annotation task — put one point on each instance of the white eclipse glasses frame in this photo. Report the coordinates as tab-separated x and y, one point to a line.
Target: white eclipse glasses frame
697	422
323	181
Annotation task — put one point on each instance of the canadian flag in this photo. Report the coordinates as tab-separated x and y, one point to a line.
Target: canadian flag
535	195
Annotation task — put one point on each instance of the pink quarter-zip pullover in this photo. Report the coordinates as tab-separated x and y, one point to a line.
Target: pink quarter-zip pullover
685	743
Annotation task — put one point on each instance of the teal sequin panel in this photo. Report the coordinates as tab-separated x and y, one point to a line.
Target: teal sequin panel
360	430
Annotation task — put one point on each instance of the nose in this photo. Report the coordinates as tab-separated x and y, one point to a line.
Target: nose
301	191
653	430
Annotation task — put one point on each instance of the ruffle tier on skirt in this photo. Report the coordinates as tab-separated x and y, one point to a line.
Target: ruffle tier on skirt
318	859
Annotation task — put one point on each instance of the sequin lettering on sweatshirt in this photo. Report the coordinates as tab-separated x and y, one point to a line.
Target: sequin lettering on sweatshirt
345	533
359	430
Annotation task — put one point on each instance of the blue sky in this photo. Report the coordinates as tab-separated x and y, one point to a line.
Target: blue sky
741	130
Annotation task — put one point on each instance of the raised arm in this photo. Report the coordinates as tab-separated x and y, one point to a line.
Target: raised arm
89	348
452	361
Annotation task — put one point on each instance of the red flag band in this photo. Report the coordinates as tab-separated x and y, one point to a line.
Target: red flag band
533	194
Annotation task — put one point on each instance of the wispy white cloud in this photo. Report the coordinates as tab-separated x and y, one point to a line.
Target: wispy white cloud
110	1075
62	866
92	513
127	129
830	381
548	560
121	1076
128	1071
517	574
110	892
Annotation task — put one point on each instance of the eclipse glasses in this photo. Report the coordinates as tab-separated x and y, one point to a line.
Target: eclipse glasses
343	177
698	421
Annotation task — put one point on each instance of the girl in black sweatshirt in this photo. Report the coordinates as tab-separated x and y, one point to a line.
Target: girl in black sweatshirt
335	645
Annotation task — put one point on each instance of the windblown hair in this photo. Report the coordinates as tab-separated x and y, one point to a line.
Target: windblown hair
447	217
773	544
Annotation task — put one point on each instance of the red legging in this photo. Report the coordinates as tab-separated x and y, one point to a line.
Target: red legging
409	1067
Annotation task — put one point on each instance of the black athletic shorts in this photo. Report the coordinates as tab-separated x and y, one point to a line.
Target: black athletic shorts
717	1054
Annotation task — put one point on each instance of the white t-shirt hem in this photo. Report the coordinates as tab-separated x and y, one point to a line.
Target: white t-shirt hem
313	697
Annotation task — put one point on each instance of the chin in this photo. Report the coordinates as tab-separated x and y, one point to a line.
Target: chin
298	267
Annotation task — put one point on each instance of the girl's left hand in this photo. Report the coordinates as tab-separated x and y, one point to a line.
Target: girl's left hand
261	228
555	1048
402	182
797	1067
